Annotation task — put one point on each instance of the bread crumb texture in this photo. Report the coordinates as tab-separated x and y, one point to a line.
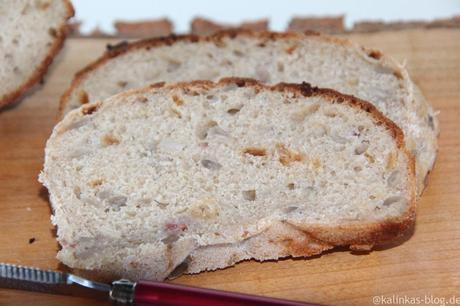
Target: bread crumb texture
136	189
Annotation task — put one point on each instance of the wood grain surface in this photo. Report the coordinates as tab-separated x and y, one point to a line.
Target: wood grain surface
427	263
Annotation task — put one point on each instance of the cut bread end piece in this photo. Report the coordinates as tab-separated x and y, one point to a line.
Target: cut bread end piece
33	32
207	174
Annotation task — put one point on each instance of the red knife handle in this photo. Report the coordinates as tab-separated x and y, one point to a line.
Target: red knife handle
165	294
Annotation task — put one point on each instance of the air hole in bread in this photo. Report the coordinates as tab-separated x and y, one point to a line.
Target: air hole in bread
255	151
357	168
170	239
77	192
202	129
117	202
291	186
262	73
249	195
211	165
173	65
280	67
330	112
25	9
122	84
319	130
217	131
226	62
213	99
162	205
78	153
393	179
290	209
233	111
339	139
238	53
362	147
175	113
308	110
393	200
104	194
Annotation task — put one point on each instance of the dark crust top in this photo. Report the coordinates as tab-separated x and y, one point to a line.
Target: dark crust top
356	235
42	68
124	47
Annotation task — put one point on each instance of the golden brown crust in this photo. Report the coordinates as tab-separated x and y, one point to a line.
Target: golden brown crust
125	47
42	68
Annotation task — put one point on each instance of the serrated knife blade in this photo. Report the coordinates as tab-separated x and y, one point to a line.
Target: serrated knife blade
141	293
33	279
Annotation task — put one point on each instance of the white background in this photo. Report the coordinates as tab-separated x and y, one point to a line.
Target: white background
102	12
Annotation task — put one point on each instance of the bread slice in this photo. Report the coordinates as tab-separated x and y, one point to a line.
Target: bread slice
144	28
215	173
202	26
323	24
32	33
272	58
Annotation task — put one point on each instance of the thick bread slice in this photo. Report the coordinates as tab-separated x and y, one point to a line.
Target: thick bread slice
215	173
32	33
272	58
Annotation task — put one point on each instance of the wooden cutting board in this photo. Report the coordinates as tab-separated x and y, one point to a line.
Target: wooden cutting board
427	263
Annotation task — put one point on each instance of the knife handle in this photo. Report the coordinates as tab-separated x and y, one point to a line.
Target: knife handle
148	293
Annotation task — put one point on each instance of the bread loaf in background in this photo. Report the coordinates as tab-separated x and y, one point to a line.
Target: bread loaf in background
143	28
202	26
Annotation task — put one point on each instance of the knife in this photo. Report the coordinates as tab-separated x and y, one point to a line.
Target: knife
125	292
